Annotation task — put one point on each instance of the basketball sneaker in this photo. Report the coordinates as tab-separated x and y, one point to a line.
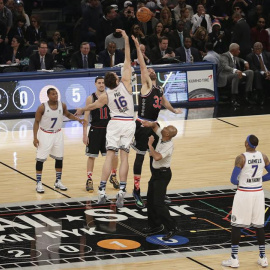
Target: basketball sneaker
120	198
234	263
58	184
113	180
39	187
102	197
263	261
89	185
138	199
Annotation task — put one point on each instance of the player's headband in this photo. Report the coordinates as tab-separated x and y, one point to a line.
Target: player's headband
249	143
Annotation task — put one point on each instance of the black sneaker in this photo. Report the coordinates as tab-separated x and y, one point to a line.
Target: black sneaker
153	230
89	185
171	234
138	199
113	180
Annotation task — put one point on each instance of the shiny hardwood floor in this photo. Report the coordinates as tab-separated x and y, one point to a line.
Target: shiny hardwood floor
205	149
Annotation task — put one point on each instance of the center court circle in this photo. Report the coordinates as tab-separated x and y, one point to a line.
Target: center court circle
118	244
174	241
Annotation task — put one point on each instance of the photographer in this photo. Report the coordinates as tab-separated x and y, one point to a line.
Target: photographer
218	38
128	17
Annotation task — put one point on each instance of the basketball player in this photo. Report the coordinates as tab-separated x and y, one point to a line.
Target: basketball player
95	141
121	127
48	136
151	99
248	205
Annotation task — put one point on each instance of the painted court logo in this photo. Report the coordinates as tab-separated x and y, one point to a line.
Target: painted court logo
79	231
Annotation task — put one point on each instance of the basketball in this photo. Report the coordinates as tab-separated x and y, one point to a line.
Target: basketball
144	14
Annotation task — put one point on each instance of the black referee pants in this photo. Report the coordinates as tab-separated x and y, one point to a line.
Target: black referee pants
158	212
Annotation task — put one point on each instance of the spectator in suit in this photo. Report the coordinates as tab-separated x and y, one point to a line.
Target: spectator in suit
201	19
41	59
14	52
84	58
111	56
35	32
241	34
211	55
259	62
176	38
188	53
162	52
233	70
259	34
145	53
17	29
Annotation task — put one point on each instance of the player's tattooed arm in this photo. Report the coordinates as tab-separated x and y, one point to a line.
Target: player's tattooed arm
240	161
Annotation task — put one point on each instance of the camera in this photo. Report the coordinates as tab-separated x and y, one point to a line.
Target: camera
59	39
129	11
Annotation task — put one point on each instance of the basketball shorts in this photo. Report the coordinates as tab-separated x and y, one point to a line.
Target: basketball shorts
97	142
248	209
140	144
120	135
50	144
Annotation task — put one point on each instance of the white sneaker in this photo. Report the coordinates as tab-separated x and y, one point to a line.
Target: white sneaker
59	185
263	261
120	198
39	187
234	263
102	197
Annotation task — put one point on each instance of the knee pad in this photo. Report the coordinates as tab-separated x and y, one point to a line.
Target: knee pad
58	164
39	166
137	169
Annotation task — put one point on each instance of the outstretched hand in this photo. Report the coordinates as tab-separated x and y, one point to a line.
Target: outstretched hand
137	44
79	112
123	32
178	111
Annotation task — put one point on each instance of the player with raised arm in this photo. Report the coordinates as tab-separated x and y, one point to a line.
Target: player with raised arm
121	127
95	140
151	99
48	136
249	205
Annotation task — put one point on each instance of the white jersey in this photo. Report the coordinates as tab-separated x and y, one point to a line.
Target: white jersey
250	178
52	120
120	103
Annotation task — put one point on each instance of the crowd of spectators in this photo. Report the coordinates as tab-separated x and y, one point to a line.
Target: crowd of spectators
179	31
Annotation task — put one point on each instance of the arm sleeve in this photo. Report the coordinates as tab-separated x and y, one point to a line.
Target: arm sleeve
235	174
266	177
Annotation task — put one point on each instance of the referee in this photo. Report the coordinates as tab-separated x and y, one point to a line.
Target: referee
158	213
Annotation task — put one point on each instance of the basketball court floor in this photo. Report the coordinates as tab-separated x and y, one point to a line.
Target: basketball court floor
68	230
